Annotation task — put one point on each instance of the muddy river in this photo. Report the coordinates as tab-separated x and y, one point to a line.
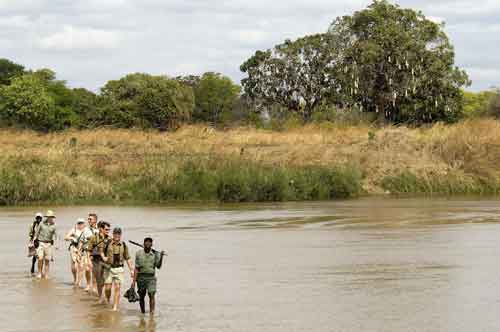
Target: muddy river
362	265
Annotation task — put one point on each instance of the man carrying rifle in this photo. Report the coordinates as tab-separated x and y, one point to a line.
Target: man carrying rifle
96	246
32	242
146	262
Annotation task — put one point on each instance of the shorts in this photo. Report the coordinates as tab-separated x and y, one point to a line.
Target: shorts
73	254
146	283
98	271
44	251
85	261
114	274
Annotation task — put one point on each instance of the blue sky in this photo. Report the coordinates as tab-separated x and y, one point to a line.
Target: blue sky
88	42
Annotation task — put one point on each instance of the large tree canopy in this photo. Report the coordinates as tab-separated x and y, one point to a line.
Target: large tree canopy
382	59
36	100
400	64
215	94
298	75
142	100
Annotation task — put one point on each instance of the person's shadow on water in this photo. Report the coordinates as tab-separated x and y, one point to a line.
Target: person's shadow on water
148	325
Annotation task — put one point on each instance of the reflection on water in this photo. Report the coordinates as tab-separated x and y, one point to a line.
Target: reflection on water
365	265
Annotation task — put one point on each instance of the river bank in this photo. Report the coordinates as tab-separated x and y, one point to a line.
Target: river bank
195	163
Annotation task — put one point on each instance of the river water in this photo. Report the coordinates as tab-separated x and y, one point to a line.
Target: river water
361	265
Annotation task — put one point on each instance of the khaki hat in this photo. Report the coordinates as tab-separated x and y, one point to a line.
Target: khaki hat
49	214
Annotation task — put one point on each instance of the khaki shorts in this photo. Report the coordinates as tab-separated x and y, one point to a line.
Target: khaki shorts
73	253
85	261
114	274
44	251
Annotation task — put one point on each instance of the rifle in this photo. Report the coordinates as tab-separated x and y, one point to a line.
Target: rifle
153	250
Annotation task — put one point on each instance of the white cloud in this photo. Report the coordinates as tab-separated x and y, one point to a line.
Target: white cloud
249	36
16	22
72	38
91	41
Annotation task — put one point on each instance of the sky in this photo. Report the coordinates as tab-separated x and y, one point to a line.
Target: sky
88	42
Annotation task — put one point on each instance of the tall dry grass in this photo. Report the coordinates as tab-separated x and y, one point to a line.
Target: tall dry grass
93	165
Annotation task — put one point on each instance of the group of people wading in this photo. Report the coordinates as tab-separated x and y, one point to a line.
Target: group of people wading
97	256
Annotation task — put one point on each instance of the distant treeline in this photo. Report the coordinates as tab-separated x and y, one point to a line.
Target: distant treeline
383	63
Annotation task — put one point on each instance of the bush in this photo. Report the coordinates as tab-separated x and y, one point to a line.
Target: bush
215	96
494	104
146	101
451	184
31	101
238	181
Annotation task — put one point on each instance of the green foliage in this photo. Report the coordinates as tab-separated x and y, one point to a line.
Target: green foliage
494	104
142	100
483	103
26	180
399	64
215	95
341	116
408	183
383	59
240	181
9	70
88	108
298	75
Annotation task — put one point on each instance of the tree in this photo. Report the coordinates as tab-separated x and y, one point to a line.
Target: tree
298	75
88	108
26	103
37	101
9	70
382	59
189	80
215	94
142	100
399	64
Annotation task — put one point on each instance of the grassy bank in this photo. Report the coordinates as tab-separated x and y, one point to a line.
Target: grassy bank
200	164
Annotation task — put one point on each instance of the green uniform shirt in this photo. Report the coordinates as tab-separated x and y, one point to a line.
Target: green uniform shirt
96	242
146	262
117	253
46	232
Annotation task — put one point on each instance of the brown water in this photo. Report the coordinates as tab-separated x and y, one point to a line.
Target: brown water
366	265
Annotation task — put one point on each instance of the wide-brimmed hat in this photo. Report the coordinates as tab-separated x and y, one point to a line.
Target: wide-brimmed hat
50	214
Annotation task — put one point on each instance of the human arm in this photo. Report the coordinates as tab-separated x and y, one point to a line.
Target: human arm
159	261
69	236
134	278
136	270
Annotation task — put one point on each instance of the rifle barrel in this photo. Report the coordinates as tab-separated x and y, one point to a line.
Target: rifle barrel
140	245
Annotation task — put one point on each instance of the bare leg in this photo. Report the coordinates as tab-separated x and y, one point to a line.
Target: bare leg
107	292
79	274
88	278
142	304
151	304
116	295
73	271
40	267
33	262
46	269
